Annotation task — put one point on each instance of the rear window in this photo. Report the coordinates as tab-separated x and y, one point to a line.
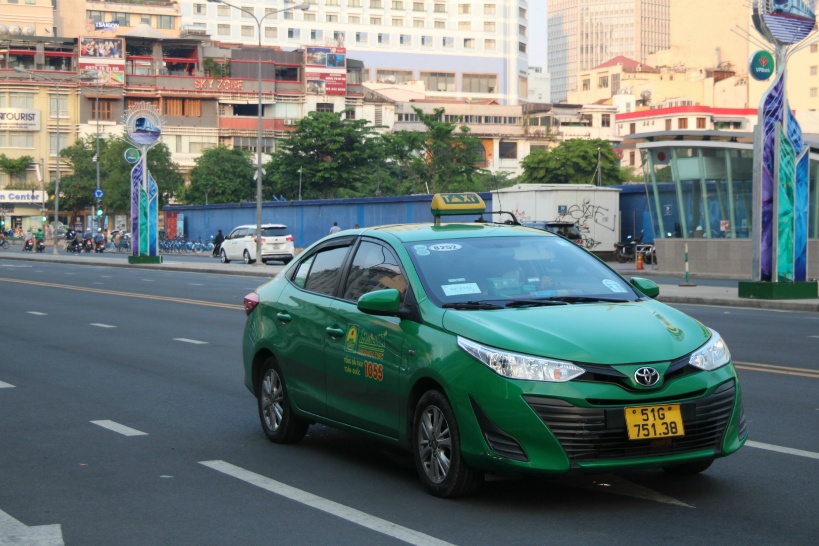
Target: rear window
275	232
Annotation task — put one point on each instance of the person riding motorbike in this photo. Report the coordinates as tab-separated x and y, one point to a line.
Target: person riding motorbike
217	243
39	240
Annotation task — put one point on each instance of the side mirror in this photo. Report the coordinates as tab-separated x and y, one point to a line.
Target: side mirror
385	303
647	287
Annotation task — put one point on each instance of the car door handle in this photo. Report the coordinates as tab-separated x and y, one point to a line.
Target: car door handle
284	317
334	332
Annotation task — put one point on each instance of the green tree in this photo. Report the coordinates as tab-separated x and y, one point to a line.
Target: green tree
573	162
221	175
15	168
327	154
440	159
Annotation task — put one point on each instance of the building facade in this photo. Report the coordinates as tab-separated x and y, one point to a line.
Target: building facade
459	49
586	33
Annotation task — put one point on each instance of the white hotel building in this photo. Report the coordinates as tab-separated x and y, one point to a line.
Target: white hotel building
460	49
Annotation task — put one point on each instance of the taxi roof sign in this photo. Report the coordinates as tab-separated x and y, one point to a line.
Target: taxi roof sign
448	204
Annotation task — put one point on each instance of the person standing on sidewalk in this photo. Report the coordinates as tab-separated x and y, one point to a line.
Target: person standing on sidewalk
335	228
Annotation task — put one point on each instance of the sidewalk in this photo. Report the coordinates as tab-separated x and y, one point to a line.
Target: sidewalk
670	291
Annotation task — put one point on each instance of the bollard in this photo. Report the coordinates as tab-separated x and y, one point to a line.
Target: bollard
687	282
639	260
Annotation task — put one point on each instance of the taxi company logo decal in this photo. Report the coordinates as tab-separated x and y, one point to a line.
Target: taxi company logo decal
647	377
365	343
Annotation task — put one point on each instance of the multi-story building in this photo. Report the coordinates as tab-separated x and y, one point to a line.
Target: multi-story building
104	17
459	49
586	33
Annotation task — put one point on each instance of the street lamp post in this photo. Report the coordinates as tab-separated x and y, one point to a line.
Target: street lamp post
57	178
304	6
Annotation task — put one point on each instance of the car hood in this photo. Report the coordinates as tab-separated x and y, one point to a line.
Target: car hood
611	333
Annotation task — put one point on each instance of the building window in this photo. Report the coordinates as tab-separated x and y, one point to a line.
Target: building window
306	16
439	24
489	26
406	40
469	43
605	120
418	23
603	82
586	84
522	30
813	92
182	107
489	45
397	22
393	76
631	158
316	35
383	38
247	31
164	21
324	107
200	9
448	42
489	9
223	30
353	3
124	19
223	11
667	125
464	25
102	109
331	18
813	70
354	19
479	83
378	4
293	34
361	37
397	4
508	150
464	9
438	81
94	15
632	128
426	41
700	123
522	47
375	21
270	14
682	123
814	48
52	142
145	18
26	100
418	6
271	32
439	8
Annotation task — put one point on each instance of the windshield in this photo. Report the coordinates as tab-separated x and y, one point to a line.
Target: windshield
513	272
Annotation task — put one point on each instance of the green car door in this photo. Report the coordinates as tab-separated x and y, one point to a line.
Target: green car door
364	353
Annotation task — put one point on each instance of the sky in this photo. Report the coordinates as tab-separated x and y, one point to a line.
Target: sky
537	33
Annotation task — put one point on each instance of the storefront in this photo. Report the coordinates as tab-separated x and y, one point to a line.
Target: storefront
22	209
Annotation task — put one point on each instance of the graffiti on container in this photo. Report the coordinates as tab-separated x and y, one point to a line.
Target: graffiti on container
584	216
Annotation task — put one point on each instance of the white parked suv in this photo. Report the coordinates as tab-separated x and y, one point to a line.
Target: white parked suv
277	244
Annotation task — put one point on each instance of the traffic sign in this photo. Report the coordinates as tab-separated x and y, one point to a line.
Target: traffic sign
98	193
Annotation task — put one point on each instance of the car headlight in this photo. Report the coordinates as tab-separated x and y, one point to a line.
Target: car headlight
519	366
712	355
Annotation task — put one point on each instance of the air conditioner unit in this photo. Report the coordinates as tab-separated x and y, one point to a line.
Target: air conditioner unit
289	122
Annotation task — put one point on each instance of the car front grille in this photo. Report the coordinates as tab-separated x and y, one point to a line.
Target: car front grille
597	434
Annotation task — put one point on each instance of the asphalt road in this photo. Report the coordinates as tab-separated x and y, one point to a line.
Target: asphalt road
124	420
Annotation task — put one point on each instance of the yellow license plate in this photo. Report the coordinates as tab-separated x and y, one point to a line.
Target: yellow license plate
647	422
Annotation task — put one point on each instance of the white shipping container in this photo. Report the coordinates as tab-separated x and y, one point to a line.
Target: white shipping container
595	210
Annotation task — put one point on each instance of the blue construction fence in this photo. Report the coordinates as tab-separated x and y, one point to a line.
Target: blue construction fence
311	220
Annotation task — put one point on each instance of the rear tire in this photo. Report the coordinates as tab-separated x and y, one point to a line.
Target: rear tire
689	469
436	448
279	423
223	257
620	256
246	258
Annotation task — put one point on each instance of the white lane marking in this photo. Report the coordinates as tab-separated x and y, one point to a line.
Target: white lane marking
780	449
339	510
101	325
618	486
13	531
39	314
196	283
194	341
147	280
122	429
6	385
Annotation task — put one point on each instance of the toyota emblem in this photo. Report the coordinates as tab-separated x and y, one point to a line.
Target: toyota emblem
647	377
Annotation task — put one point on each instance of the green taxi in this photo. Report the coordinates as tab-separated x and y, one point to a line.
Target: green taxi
487	347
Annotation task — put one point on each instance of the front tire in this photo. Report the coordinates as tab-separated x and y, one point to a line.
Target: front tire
223	257
279	423
436	448
620	255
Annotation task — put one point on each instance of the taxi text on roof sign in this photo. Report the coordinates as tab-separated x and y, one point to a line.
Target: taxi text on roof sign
447	204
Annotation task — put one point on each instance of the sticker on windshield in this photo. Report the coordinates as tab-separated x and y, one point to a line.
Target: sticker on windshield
420	247
614	286
445	247
422	252
460	289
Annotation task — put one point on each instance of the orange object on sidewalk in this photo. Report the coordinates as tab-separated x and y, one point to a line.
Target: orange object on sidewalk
639	260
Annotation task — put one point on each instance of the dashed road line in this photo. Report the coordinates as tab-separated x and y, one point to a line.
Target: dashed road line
780	449
38	313
121	429
101	325
193	341
352	515
6	385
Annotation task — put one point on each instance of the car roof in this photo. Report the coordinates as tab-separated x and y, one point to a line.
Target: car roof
408	233
253	226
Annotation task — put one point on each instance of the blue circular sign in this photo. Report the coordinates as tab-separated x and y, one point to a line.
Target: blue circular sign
98	193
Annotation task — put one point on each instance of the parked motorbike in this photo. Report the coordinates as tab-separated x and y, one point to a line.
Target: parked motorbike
29	245
40	245
626	251
88	242
99	242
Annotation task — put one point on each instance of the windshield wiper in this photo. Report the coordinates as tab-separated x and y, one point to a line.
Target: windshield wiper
540	302
587	299
471	305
